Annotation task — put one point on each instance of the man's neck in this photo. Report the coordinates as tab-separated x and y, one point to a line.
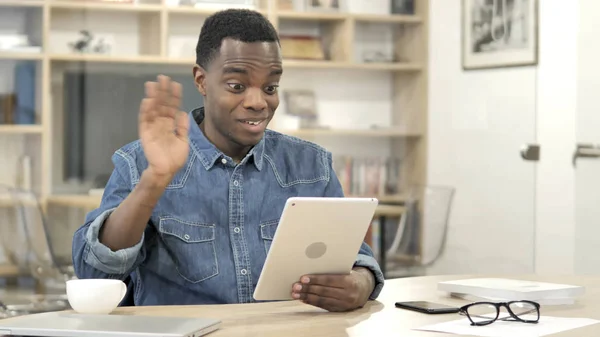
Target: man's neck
225	145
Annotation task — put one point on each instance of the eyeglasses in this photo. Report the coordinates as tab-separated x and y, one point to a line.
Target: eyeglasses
484	313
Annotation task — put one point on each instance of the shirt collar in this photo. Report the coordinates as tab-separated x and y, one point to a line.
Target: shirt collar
208	153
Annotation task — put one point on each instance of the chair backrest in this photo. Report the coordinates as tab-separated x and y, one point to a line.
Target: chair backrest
26	239
36	229
13	238
424	225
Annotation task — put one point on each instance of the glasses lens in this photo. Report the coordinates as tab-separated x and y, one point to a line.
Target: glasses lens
482	313
525	311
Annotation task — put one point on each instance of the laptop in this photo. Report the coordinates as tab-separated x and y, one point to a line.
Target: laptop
70	324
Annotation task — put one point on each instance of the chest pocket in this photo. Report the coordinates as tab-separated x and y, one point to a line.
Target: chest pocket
191	246
267	232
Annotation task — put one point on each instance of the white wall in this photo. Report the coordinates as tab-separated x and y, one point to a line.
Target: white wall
556	123
478	121
586	231
510	215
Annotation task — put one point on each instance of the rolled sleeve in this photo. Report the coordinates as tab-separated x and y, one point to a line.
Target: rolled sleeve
93	259
103	258
370	263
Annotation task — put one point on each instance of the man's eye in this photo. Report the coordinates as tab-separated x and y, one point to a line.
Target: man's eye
236	86
271	89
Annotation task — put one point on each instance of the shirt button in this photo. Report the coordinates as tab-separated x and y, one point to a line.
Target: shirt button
244	271
235	183
236	230
224	161
187	237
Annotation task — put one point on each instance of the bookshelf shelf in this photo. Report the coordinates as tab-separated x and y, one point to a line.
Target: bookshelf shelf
299	64
9	270
21	3
395	19
184	10
384	199
310	16
386	133
93	201
9	55
74	200
99	6
138	59
316	16
399	67
20	129
389	210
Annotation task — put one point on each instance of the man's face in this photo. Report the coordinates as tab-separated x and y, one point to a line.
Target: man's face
240	88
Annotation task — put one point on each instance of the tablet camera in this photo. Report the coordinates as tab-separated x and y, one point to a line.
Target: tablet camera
316	250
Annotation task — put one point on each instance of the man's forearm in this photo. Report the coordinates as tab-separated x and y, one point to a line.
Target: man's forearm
125	226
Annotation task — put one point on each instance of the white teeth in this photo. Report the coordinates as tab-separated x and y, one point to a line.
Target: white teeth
252	123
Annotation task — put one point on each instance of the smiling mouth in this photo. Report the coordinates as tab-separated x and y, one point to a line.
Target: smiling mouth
253	122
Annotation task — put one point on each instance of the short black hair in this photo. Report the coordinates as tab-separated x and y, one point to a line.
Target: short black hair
239	24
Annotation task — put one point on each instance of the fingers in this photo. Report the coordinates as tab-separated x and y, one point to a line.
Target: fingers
164	96
319	290
327	303
176	95
165	99
182	126
336	281
331	292
147	111
324	295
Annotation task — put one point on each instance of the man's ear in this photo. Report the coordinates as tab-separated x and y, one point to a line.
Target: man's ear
200	79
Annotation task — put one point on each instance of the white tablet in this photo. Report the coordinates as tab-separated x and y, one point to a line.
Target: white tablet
314	236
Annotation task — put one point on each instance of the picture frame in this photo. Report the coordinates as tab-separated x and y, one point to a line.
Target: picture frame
513	43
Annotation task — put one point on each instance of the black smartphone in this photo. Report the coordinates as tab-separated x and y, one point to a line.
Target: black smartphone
427	307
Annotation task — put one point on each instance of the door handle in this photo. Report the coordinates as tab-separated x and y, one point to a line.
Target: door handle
530	152
586	151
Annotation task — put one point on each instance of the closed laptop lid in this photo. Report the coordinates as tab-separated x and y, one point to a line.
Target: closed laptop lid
70	324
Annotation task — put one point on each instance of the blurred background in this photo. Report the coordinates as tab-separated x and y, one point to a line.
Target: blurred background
472	121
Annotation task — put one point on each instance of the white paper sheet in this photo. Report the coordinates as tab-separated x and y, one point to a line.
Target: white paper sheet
546	326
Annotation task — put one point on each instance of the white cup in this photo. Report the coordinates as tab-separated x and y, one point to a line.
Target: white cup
95	296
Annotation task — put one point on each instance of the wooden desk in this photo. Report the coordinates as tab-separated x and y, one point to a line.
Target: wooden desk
378	318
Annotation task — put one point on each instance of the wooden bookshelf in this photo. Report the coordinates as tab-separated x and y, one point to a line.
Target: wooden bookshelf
408	134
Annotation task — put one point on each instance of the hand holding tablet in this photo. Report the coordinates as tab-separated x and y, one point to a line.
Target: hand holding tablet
318	240
335	292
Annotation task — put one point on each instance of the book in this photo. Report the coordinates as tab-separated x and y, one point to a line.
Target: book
547	301
511	289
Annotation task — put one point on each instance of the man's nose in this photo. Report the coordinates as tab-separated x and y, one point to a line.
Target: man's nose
255	100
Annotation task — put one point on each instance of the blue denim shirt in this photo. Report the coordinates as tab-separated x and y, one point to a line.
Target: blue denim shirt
208	237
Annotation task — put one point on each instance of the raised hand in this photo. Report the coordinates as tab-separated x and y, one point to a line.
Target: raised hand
164	128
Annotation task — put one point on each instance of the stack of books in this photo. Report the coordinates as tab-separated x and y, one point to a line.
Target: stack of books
371	176
503	290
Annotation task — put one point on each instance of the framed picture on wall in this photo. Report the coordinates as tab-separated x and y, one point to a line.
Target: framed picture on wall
499	33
